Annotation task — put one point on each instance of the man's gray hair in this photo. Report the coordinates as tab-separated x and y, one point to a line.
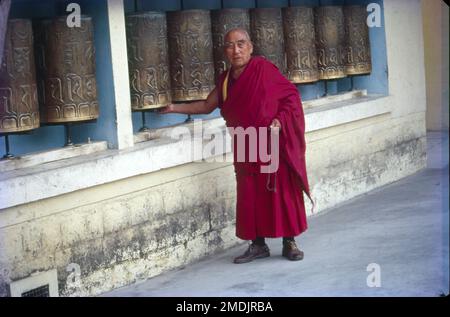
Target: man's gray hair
240	30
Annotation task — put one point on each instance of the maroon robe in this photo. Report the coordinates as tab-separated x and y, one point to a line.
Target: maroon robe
268	205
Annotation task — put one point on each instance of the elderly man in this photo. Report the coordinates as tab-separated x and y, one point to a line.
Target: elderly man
253	93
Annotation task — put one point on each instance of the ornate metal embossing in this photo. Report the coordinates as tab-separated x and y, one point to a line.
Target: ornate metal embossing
267	35
299	36
148	60
190	54
66	71
19	108
357	46
330	41
223	21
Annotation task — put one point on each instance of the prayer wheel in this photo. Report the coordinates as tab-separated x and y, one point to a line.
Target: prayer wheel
66	71
357	46
148	60
330	41
299	37
222	21
190	54
19	107
267	35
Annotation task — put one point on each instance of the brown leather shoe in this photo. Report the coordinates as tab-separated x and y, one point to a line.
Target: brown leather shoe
253	252
291	252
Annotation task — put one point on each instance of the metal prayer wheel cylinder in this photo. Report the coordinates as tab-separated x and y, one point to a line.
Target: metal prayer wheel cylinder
330	41
357	46
267	35
190	54
66	71
223	21
19	107
148	60
299	37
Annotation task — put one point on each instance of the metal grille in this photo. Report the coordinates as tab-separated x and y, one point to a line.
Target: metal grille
42	291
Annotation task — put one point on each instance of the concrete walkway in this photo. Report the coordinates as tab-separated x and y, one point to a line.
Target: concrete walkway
402	229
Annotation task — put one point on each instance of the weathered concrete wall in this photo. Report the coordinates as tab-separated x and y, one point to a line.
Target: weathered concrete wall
352	159
138	227
122	232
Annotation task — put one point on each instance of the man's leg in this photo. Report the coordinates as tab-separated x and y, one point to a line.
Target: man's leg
259	241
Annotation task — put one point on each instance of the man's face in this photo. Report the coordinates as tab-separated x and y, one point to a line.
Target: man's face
238	49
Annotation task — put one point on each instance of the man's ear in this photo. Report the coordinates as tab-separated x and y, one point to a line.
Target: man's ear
251	48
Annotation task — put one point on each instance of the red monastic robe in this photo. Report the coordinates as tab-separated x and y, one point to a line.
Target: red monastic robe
268	205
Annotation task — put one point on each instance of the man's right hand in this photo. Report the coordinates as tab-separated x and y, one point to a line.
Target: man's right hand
195	107
167	109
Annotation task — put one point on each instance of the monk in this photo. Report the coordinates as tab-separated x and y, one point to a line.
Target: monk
253	93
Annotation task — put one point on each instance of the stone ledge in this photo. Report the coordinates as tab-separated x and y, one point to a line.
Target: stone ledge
64	176
332	99
43	157
345	111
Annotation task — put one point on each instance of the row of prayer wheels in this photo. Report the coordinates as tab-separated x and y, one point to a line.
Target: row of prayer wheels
174	56
47	74
178	55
